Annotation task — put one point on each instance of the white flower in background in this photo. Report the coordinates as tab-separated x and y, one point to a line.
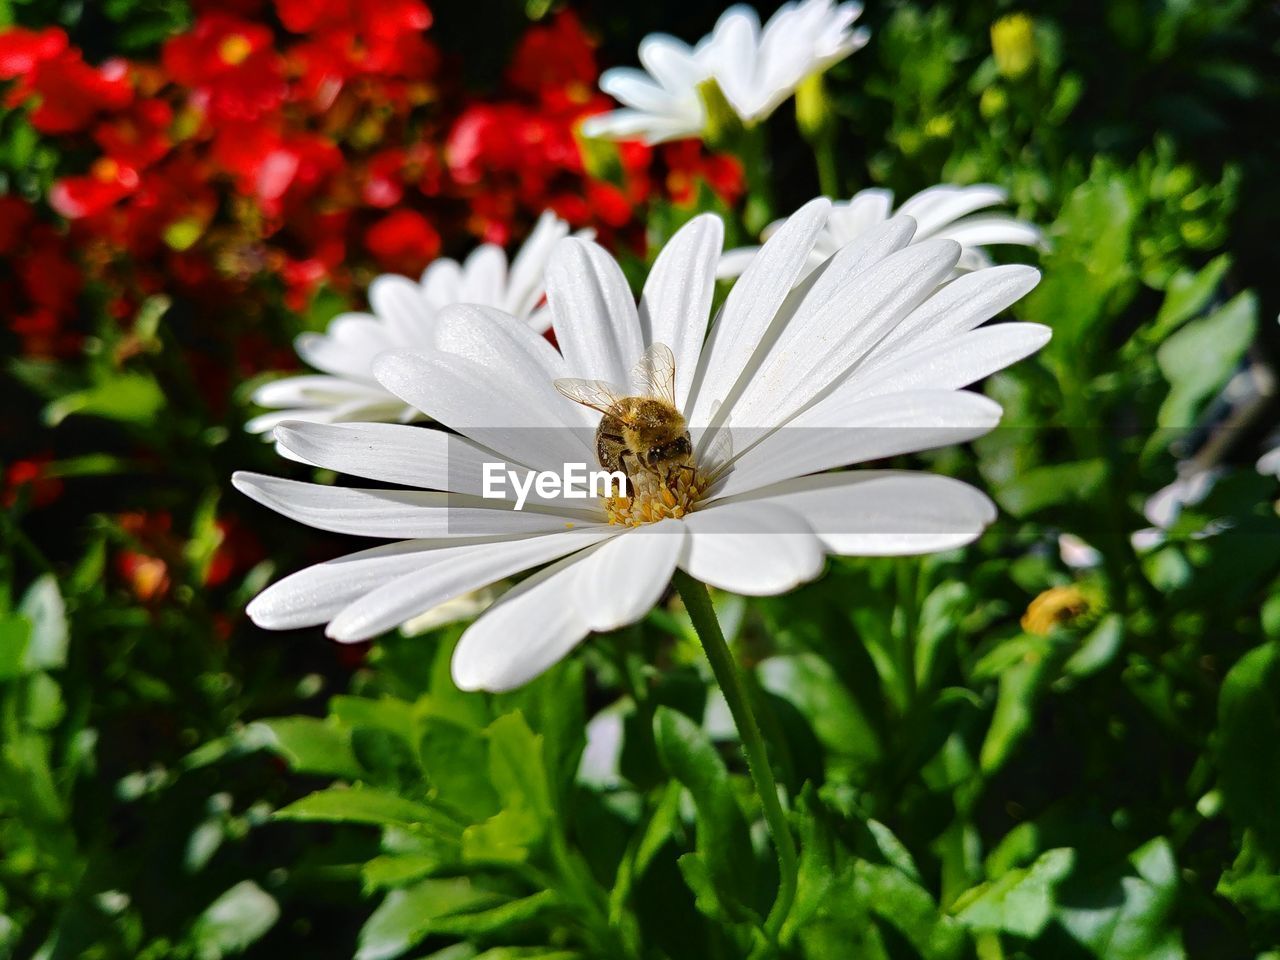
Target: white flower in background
1163	507
404	318
1269	463
1076	553
942	211
755	68
866	362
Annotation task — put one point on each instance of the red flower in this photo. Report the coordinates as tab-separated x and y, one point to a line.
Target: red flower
230	65
68	92
21	50
139	137
688	165
383	183
16	215
107	183
403	242
557	64
30	478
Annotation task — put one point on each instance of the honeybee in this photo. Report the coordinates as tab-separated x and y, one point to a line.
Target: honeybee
642	434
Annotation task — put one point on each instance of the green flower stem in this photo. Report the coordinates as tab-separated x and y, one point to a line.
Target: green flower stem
698	602
824	152
753	151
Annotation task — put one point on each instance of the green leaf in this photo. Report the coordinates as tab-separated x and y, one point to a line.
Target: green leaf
406	916
1048	486
810	684
516	766
506	837
131	397
15	635
723	841
1020	901
311	745
456	761
369	806
1126	912
1187	293
234	921
1021	685
1249	743
1200	358
397	869
1098	649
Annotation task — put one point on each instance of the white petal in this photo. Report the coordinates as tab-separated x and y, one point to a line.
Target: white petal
950	364
751	307
391	453
442	282
315	594
484	276
757	549
518	418
676	304
671	62
938	206
882	513
844	331
492	337
735	43
837	434
399	302
622	580
986	231
347	347
453	572
527	285
961	305
633	125
734	262
594	312
396	513
315	388
529	629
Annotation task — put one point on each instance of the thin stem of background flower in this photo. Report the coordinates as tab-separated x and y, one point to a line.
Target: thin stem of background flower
753	151
697	601
824	152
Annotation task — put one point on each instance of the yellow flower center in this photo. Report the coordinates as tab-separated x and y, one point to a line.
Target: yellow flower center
105	170
653	499
235	49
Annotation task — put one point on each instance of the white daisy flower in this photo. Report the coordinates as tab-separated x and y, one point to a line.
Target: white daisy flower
1269	463
404	318
866	360
942	211
756	69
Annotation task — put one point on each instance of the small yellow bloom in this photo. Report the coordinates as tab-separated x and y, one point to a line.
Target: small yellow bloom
813	106
939	127
1057	605
1013	42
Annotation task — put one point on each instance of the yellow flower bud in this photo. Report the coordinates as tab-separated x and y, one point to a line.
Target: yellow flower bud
1013	43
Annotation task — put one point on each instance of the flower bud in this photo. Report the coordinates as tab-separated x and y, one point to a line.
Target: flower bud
1013	43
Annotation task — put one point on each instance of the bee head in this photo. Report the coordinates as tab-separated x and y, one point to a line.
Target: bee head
675	449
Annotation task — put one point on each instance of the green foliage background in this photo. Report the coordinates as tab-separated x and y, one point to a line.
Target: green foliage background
960	788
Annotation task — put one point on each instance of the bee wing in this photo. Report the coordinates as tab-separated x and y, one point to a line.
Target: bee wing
595	394
655	373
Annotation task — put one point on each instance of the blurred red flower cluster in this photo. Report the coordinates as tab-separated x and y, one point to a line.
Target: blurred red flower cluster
285	146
